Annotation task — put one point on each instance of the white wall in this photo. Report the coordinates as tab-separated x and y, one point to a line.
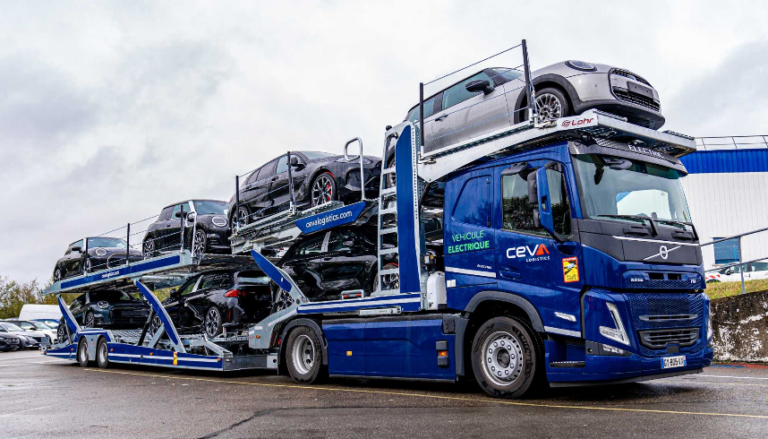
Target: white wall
728	204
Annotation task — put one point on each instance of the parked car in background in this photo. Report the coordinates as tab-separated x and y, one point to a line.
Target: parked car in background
215	300
30	339
327	263
112	309
35	327
53	324
752	271
37	312
494	98
206	229
10	341
318	177
93	254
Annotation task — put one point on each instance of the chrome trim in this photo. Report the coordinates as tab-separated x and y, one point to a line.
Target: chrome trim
562	331
627	238
470	272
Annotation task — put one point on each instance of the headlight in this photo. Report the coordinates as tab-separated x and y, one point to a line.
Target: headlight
219	221
101	252
103	305
618	333
581	65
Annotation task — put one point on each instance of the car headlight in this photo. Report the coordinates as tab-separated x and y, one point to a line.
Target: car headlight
103	304
581	65
618	333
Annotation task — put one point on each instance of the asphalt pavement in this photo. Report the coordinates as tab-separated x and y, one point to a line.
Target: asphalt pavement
43	397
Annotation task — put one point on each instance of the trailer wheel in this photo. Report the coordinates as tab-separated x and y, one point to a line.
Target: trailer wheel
82	352
102	353
304	356
505	357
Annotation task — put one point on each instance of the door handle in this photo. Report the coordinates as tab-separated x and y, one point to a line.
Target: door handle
441	118
273	178
328	258
510	273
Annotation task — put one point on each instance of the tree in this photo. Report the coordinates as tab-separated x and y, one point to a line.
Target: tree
14	295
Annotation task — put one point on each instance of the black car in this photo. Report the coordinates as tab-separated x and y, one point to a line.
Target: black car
93	254
206	228
326	263
27	339
318	177
215	300
106	309
10	342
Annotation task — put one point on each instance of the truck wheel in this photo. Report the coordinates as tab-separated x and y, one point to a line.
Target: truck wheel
505	357
82	352
304	356
102	353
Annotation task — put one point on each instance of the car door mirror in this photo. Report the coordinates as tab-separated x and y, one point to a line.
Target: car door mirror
294	160
729	271
482	85
77	248
178	214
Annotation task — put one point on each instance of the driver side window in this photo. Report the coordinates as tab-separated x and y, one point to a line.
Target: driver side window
517	211
187	288
561	208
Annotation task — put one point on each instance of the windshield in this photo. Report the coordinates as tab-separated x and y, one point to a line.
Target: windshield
620	189
106	242
210	207
111	296
10	326
40	325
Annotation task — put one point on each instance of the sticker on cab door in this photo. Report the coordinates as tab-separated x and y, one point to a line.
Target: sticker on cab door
571	269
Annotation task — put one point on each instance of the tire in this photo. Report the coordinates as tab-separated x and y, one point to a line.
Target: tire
243	216
148	248
102	353
82	353
89	321
199	243
552	104
212	322
304	356
323	189
391	178
61	331
506	357
57	275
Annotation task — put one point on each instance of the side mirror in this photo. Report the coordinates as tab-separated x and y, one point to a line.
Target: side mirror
174	292
294	160
544	202
482	85
730	271
77	248
178	214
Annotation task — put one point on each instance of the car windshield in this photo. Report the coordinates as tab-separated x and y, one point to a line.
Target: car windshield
106	242
210	207
315	155
40	325
627	190
111	296
52	324
10	326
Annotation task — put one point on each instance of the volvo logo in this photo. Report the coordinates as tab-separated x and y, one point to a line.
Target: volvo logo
663	252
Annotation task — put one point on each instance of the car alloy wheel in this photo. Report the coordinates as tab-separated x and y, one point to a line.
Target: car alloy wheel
549	106
212	322
61	331
323	189
242	216
57	275
148	248
89	320
87	266
200	243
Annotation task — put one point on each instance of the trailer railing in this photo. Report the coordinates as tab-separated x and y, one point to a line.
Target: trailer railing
741	262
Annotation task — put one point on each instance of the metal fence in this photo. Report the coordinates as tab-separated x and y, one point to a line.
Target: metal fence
732	142
741	263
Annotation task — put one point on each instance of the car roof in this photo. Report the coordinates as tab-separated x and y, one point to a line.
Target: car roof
193	199
457	82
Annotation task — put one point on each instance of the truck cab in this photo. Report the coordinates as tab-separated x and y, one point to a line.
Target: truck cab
591	245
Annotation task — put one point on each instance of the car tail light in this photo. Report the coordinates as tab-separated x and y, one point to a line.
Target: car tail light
234	293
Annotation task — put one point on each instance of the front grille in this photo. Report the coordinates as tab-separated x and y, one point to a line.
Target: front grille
637	99
658	313
630	75
660	338
129	313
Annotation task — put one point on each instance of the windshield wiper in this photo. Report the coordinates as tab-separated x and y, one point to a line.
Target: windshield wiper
642	218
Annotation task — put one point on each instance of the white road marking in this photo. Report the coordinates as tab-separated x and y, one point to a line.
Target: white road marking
734	377
24	411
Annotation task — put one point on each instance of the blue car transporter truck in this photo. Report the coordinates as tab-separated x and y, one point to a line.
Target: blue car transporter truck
557	252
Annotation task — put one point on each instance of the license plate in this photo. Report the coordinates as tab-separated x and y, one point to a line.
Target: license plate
670	362
640	89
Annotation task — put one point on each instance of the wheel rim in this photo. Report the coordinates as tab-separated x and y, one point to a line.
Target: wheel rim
242	216
89	321
549	106
83	352
322	190
155	325
87	266
502	358
103	353
304	354
149	248
211	322
375	282
57	275
199	242
61	332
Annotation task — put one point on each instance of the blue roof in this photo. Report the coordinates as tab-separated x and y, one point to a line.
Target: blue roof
727	161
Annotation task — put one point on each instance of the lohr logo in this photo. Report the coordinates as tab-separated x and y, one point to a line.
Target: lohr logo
576	123
538	252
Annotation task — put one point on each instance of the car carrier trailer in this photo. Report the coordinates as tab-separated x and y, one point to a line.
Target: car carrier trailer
529	285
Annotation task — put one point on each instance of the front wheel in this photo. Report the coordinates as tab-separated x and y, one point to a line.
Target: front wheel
200	243
148	248
87	266
61	331
505	357
552	104
89	321
212	322
57	275
304	356
323	189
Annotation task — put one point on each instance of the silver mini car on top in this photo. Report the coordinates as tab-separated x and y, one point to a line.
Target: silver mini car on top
495	98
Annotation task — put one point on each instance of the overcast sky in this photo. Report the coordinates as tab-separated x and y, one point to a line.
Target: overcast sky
111	110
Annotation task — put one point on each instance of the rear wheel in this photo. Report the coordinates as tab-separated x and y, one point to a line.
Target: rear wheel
148	248
391	178
505	357
102	354
87	266
61	331
243	216
89	321
57	275
212	322
82	353
304	356
323	189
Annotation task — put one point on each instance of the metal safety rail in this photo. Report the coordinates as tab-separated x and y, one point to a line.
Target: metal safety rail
741	262
732	142
280	229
